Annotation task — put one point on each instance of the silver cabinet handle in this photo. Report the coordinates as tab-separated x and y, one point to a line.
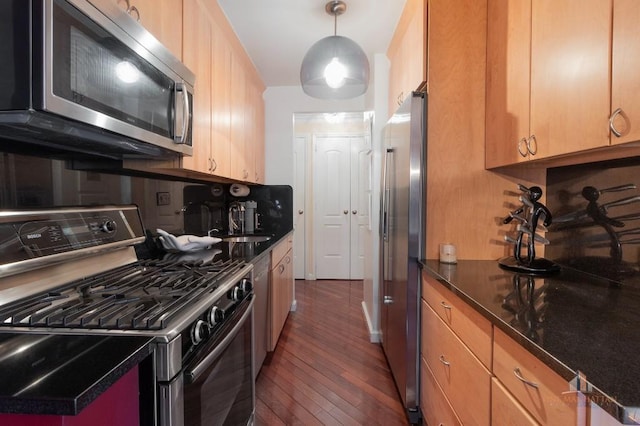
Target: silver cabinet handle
522	145
281	268
288	259
134	9
444	305
444	361
387	300
533	150
612	126
518	374
354	211
345	211
214	165
300	211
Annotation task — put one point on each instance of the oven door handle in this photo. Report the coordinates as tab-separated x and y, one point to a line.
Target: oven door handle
192	374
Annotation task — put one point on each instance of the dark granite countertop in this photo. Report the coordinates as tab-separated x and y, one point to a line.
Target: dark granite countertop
63	374
573	322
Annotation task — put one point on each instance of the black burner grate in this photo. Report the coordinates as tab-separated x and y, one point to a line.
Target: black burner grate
145	295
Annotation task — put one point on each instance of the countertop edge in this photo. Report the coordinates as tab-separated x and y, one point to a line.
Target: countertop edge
72	406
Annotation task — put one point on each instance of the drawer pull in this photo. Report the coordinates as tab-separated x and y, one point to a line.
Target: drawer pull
518	374
444	361
444	305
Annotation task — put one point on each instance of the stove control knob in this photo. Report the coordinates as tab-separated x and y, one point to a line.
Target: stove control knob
198	332
246	285
108	226
237	293
216	315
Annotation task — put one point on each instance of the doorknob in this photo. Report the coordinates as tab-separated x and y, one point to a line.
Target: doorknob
300	211
354	211
345	211
387	300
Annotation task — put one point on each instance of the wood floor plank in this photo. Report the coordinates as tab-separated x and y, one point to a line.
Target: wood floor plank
324	369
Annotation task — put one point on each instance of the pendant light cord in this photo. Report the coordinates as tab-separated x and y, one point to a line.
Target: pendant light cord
335	23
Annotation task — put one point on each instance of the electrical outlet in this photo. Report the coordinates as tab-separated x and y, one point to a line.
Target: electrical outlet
163	198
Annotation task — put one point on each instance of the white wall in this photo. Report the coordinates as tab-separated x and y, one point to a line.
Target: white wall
280	105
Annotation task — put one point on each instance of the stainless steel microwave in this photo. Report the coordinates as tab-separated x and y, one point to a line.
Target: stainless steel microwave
84	77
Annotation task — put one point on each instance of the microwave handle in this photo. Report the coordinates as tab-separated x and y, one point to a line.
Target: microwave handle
182	138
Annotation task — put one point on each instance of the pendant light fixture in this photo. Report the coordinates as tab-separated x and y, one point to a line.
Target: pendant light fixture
335	67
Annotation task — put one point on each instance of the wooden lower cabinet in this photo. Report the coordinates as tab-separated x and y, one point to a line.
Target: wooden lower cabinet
505	409
463	379
471	327
541	391
436	410
281	289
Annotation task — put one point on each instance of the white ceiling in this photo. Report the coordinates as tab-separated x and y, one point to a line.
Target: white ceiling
277	33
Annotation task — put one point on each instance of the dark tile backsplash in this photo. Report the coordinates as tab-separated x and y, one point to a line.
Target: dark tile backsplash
175	206
596	218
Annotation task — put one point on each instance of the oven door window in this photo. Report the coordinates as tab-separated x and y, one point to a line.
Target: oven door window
93	69
223	393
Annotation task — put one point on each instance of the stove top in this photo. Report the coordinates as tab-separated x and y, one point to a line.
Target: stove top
145	295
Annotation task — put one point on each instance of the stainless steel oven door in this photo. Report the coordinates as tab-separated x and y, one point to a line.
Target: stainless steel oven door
218	386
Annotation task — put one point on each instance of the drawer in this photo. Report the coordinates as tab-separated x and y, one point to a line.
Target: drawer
436	410
471	327
464	380
281	249
506	410
547	396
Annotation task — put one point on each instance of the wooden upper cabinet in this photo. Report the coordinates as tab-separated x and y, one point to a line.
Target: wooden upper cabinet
162	19
221	105
508	64
625	78
229	110
570	88
564	105
407	53
197	56
238	129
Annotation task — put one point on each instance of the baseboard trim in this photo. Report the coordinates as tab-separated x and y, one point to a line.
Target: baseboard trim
374	335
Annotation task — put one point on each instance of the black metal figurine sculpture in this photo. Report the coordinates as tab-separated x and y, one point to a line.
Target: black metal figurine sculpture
529	214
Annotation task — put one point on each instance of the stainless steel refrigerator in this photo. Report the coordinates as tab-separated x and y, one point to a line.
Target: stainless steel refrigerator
403	215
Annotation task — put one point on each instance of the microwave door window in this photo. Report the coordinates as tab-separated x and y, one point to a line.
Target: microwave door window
99	72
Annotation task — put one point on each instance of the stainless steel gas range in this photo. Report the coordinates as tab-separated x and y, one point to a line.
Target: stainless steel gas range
75	271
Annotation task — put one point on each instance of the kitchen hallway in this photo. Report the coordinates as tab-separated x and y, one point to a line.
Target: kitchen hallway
324	370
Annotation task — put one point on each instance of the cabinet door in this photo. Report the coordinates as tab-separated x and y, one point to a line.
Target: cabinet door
281	296
259	141
463	379
532	382
570	89
625	79
407	53
505	409
433	404
221	104
238	104
197	56
163	20
508	62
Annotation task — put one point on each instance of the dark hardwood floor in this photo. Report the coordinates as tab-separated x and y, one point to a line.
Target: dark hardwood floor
324	370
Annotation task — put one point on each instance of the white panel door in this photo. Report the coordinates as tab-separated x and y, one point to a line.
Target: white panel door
359	202
299	226
331	164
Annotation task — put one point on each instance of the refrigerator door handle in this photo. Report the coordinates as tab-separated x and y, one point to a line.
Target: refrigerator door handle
386	193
